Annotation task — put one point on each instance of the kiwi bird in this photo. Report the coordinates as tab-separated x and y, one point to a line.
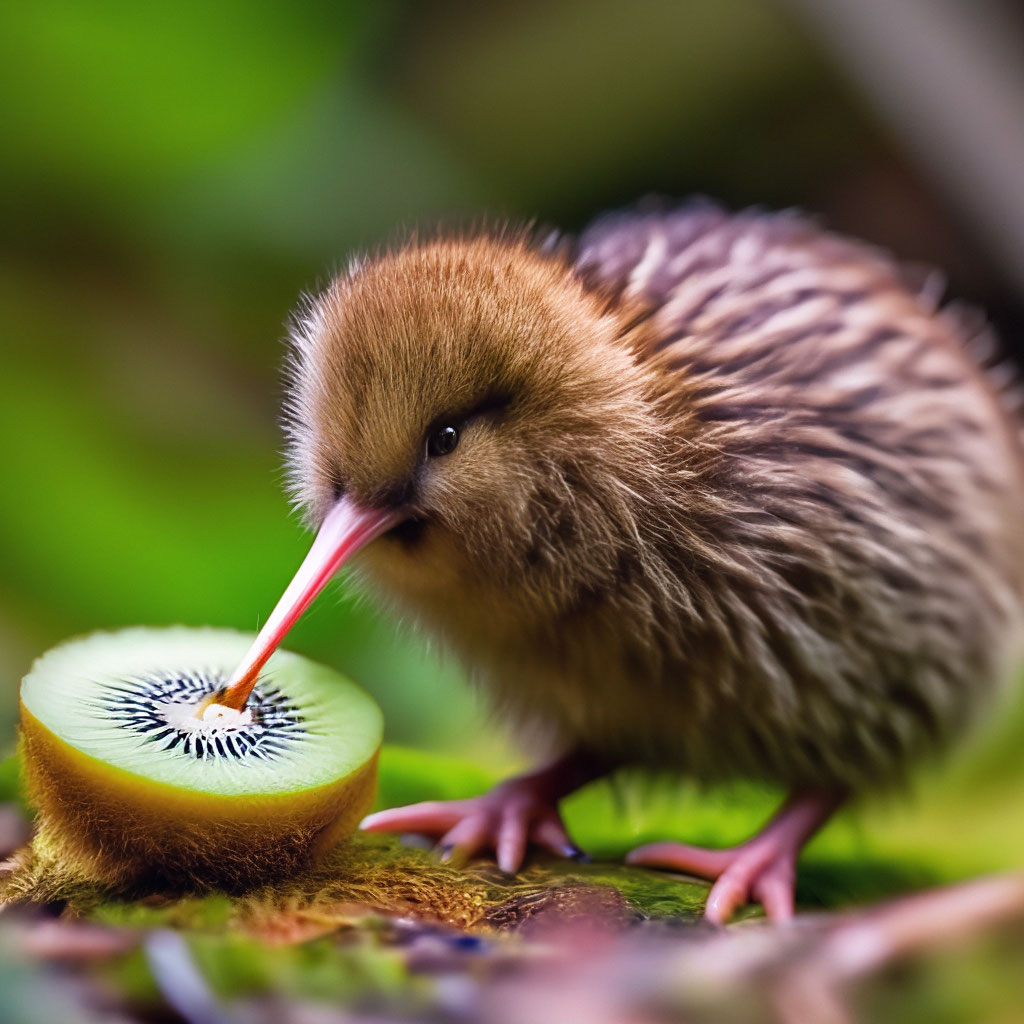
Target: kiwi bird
719	493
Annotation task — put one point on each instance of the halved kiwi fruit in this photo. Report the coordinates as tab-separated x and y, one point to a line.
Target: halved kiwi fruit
134	786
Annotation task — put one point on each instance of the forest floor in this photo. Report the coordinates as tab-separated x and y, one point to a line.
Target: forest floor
384	932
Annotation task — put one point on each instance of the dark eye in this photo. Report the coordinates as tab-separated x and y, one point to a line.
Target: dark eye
442	440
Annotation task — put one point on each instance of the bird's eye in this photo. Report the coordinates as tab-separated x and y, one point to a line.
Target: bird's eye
442	440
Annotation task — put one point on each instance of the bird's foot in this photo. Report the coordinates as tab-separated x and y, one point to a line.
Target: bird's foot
761	870
506	821
755	872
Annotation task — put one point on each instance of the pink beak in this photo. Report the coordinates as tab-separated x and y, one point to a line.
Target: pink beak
347	527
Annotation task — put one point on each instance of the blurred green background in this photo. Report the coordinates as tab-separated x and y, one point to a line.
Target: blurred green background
172	177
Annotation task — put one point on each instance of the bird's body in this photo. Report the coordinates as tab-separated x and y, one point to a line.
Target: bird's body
731	495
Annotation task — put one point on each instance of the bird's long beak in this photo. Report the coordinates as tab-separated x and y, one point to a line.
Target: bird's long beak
347	527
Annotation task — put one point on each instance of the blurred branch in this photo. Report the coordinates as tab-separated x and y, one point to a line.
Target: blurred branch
863	944
949	78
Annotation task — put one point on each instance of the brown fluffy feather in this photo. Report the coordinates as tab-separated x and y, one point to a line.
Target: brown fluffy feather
732	494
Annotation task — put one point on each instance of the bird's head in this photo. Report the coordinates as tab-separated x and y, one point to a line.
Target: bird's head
471	418
470	397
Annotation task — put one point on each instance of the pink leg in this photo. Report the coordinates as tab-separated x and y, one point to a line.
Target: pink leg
762	870
518	812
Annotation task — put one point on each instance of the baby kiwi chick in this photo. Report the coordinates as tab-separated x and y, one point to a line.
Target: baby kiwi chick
723	494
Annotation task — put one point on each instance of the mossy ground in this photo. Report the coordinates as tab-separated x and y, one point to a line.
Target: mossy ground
384	927
373	874
356	928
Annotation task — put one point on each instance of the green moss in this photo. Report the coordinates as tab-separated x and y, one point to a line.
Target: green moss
370	873
843	866
381	875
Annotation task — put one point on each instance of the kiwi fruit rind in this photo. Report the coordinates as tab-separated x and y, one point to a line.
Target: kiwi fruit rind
132	788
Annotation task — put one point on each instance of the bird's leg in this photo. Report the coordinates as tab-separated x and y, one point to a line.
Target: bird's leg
761	870
516	813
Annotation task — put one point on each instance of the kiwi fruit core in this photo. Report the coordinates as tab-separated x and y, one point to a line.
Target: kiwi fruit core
140	776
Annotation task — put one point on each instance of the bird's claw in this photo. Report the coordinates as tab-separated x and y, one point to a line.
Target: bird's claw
761	870
756	872
506	821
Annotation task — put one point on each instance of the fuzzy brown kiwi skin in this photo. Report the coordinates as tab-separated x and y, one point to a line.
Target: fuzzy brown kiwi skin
112	827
